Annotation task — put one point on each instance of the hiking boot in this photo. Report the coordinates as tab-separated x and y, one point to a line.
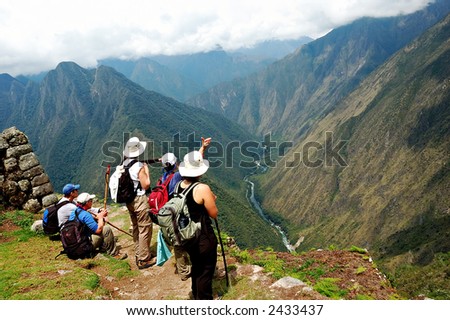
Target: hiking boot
146	264
185	277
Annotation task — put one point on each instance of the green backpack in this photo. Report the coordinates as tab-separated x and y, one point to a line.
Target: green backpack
176	225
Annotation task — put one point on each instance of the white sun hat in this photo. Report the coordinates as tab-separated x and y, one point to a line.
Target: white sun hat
168	158
85	197
193	165
134	147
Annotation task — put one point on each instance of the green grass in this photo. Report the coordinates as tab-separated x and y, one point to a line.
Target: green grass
328	287
29	270
360	270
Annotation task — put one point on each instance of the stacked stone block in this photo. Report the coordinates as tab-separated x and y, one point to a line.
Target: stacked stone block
23	181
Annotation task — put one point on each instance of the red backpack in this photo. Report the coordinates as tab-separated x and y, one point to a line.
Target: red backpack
159	196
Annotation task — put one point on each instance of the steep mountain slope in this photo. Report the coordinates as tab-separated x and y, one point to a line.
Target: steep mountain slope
393	194
78	120
289	96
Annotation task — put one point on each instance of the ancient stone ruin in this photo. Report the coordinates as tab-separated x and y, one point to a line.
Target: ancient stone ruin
23	181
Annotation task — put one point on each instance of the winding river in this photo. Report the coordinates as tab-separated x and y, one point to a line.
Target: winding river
256	205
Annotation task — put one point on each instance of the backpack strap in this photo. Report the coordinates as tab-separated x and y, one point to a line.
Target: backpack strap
128	166
185	191
62	204
77	212
167	181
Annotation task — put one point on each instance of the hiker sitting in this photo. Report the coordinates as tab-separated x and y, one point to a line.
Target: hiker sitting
101	234
70	192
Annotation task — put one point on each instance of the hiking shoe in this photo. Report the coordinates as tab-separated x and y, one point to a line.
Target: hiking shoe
185	277
146	264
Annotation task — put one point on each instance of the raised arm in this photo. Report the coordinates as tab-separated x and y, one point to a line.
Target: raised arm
205	143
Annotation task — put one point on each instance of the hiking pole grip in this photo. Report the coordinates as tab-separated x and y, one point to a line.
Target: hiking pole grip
108	171
223	253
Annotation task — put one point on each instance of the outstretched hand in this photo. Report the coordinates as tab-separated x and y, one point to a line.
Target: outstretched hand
206	142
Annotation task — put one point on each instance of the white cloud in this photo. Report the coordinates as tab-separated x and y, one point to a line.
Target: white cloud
36	35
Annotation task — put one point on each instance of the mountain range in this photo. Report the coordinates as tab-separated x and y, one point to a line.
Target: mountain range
78	121
358	123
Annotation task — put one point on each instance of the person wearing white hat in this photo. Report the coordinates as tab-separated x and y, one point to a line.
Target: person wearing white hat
101	234
141	223
201	202
170	171
169	162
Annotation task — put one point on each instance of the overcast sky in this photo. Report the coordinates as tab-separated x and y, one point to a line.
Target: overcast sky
35	35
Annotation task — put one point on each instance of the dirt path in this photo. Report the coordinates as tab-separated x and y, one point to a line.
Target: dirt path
154	283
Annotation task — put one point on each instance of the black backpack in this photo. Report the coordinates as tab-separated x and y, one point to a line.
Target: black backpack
76	242
50	218
126	191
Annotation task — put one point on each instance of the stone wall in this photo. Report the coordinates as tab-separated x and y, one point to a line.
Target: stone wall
23	181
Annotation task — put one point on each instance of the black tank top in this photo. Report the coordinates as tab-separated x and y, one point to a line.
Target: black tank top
197	211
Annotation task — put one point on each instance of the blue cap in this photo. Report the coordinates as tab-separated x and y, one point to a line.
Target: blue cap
68	188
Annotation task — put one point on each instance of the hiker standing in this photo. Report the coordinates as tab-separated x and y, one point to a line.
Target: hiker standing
170	170
201	203
138	207
70	192
101	234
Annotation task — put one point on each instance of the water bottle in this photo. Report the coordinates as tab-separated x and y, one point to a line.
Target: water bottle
183	221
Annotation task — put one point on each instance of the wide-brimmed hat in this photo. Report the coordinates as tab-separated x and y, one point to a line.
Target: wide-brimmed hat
169	159
193	165
134	147
68	188
85	197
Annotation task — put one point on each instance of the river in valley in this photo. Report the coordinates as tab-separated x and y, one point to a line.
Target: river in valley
256	205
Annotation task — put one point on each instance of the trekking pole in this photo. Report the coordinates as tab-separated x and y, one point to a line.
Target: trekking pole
119	229
223	253
108	170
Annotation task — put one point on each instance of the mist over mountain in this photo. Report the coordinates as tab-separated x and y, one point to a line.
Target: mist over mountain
184	76
287	97
274	49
